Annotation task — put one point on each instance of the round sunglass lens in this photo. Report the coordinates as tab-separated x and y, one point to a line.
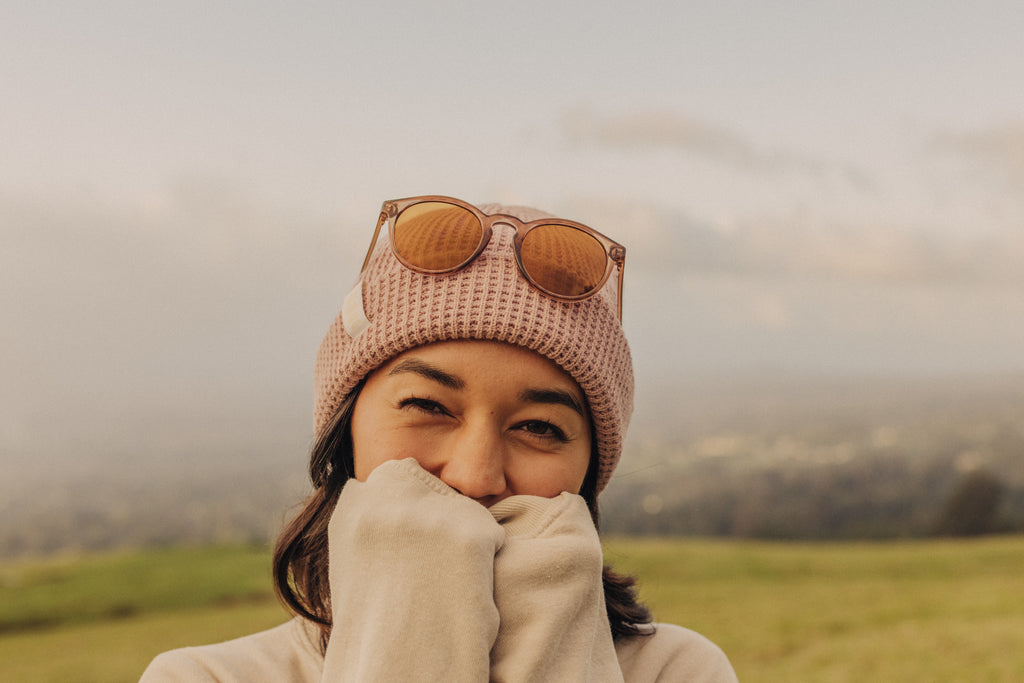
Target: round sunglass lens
564	260
436	237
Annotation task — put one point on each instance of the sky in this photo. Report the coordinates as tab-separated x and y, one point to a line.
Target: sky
187	189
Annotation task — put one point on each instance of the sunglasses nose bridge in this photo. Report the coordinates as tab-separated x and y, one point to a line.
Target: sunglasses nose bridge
506	228
505	221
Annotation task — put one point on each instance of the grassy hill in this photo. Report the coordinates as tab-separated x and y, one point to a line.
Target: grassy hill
909	610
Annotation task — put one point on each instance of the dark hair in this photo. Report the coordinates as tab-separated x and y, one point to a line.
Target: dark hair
300	555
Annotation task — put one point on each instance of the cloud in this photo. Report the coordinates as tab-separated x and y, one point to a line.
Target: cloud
203	307
997	149
691	136
654	129
676	242
187	308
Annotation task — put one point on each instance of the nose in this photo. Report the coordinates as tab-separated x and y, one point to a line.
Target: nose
475	464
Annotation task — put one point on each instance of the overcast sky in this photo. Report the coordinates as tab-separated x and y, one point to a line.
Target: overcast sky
188	188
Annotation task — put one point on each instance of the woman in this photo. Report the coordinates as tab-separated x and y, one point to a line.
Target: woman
470	404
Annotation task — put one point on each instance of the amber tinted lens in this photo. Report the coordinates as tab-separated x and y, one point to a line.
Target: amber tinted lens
564	260
436	237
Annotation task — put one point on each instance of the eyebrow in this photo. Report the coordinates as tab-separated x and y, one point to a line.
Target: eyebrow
429	371
553	396
446	379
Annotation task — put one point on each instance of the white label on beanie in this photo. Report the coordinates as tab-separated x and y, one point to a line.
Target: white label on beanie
352	314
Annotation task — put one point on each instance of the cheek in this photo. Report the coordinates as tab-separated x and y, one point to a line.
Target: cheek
576	466
548	476
367	448
375	441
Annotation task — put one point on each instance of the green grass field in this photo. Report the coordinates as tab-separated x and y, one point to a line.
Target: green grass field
913	610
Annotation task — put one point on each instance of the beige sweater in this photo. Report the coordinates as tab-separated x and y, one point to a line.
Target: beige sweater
428	585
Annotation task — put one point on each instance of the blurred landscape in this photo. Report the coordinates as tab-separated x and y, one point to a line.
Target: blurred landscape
783	457
816	459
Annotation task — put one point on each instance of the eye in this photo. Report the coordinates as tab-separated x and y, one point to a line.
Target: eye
423	405
543	429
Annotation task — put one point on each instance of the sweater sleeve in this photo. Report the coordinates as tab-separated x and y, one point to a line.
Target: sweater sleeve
672	653
549	594
411	576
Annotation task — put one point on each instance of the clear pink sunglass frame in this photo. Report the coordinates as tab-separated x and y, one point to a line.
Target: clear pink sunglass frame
615	252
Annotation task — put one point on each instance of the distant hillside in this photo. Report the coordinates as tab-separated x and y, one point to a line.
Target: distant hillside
785	458
782	457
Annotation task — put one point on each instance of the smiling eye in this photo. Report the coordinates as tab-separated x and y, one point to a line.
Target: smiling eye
543	429
424	405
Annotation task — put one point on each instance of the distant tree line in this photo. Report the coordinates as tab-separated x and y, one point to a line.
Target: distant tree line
808	480
865	498
974	507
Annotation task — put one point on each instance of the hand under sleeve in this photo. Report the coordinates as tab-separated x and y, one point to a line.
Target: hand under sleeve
549	594
411	575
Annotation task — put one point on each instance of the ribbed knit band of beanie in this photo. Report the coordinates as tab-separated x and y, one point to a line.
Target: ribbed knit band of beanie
393	309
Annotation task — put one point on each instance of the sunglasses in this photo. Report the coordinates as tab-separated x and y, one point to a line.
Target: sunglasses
565	260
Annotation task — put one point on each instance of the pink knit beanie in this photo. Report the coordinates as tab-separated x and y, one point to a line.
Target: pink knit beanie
393	309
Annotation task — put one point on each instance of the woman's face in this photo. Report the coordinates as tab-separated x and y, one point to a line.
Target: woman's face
489	419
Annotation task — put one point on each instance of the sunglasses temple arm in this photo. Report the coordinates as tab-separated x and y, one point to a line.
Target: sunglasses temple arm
622	271
373	243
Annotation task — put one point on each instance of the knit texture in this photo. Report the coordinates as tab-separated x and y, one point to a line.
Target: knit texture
427	585
487	300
